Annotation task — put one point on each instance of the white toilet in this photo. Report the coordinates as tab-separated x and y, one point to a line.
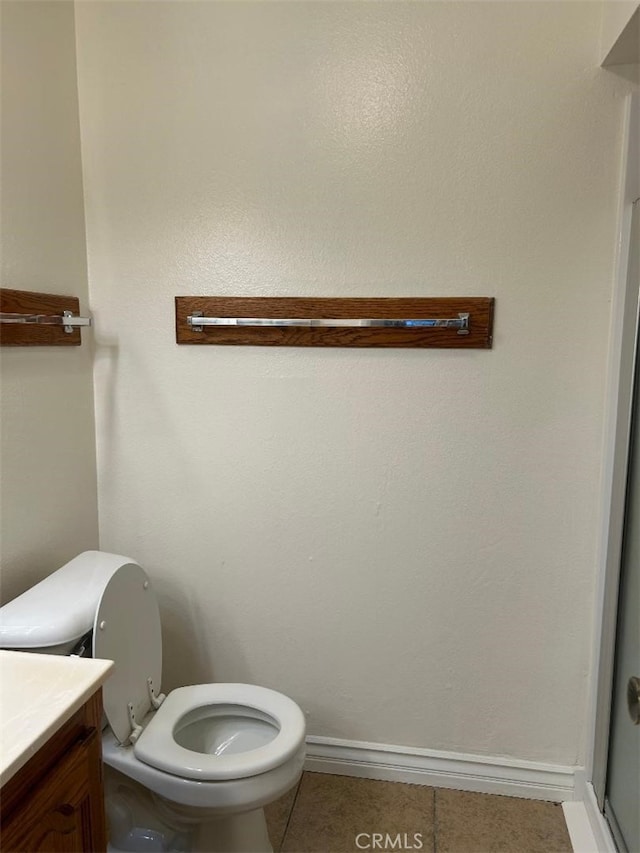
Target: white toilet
198	764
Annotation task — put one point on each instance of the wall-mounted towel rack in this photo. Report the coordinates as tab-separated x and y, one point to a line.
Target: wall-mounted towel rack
461	323
28	318
339	322
66	320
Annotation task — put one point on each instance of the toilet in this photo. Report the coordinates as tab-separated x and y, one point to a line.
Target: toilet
189	771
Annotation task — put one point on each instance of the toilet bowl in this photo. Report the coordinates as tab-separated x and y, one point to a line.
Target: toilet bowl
208	757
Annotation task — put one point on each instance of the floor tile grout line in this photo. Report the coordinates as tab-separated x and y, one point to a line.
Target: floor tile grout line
289	816
435	822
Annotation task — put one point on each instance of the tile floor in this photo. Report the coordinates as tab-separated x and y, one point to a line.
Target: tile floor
324	814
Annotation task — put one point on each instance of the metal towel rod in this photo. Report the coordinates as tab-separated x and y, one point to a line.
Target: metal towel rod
197	322
67	320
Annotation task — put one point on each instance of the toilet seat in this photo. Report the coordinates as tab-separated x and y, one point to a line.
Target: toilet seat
242	706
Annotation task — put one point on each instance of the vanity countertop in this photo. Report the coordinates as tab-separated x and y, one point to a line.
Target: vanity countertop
38	693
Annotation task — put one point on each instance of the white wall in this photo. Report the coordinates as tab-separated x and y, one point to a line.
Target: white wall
404	542
48	477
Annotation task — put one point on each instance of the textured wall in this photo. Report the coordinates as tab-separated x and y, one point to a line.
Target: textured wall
48	477
404	542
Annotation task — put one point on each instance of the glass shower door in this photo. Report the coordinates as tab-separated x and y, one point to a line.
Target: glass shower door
622	793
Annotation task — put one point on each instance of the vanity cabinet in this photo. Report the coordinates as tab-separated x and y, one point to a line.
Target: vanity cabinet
55	802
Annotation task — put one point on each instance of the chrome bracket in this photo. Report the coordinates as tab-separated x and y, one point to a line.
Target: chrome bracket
192	320
464	324
70	322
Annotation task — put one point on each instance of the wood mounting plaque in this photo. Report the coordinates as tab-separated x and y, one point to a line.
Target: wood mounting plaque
479	309
28	334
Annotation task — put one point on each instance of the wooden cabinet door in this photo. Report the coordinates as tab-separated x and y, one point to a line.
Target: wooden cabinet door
64	812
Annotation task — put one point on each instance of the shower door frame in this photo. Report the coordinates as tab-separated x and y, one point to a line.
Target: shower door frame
620	387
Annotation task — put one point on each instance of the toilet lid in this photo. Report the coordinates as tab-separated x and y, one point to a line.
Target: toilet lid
127	631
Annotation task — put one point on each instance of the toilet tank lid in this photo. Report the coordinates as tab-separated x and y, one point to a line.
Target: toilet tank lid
61	608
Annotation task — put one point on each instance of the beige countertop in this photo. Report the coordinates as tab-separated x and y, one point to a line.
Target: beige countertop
38	693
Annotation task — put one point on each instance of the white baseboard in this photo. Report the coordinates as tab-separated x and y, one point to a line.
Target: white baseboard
479	773
588	829
579	827
599	827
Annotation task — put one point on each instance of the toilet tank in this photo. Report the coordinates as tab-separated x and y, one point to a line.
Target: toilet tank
54	615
